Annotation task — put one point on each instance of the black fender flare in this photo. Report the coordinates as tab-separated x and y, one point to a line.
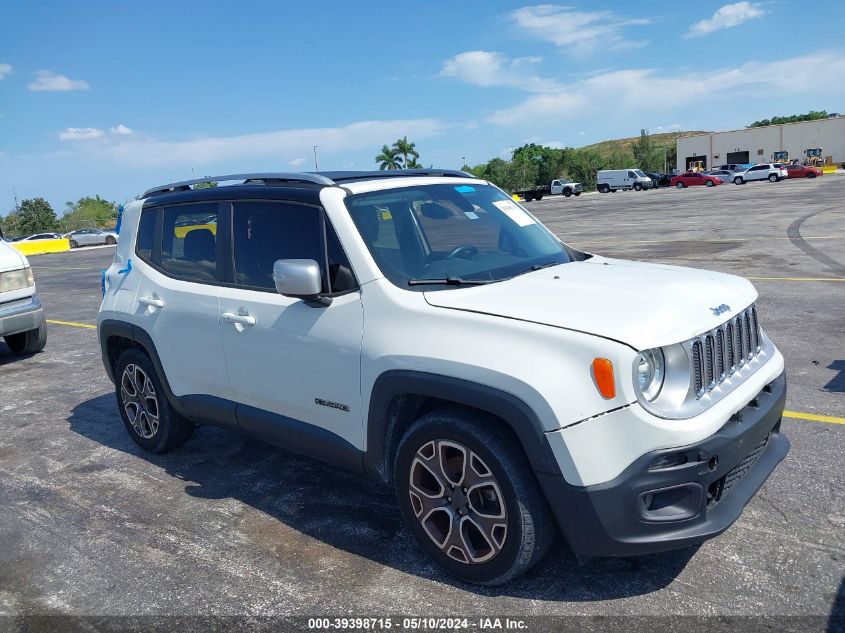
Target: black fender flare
514	412
199	408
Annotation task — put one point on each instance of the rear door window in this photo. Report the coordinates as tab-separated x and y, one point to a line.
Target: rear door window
189	242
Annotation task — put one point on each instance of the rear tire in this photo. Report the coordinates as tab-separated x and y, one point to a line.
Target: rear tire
494	531
679	185
739	181
152	423
604	189
527	198
30	342
110	240
773	178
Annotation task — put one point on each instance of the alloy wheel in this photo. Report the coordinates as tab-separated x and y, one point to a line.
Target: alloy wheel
140	401
458	501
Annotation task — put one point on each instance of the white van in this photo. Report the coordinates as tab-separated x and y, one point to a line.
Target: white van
615	179
21	317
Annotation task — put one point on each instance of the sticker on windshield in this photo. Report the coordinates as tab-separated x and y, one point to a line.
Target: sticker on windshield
514	212
464	189
472	215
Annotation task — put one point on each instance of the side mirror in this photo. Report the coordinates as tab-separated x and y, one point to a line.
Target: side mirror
299	278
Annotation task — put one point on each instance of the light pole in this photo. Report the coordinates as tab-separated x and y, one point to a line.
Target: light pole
316	164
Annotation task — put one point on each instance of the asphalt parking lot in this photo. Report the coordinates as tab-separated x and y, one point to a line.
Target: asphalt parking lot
228	526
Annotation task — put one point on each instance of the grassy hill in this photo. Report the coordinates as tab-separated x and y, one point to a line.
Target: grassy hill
607	148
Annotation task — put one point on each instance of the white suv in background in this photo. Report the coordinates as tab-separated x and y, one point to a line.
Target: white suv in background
773	172
21	316
423	329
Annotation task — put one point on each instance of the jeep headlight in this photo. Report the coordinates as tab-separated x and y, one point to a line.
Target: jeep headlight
650	369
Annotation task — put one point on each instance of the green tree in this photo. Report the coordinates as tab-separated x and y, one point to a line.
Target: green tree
584	166
36	215
89	212
205	185
646	155
388	159
812	115
404	148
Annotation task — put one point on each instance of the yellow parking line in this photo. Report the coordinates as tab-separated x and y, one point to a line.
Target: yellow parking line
815	417
87	326
796	278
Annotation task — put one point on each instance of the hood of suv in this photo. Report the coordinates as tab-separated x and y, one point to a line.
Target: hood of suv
10	259
642	305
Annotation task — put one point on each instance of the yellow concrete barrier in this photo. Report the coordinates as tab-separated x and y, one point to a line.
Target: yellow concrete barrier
37	247
829	169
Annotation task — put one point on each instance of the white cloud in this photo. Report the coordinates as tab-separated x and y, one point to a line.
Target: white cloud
81	134
5	69
486	68
144	150
48	81
727	17
121	130
296	162
625	92
580	31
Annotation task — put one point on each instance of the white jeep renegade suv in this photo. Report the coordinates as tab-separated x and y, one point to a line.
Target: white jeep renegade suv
422	328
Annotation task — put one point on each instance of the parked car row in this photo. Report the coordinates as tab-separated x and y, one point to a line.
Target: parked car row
80	237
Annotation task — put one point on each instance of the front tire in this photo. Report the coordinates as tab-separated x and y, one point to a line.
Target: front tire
30	342
470	498
74	244
638	186
773	178
679	185
567	192
811	175
738	180
709	183
577	193
110	240
152	423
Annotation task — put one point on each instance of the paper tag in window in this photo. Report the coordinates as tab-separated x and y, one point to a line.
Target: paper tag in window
514	212
471	215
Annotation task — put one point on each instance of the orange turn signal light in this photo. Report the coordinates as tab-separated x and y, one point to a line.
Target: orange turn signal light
603	375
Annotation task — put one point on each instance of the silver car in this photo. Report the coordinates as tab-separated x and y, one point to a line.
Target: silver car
91	237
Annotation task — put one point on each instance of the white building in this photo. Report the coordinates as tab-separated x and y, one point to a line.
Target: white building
756	145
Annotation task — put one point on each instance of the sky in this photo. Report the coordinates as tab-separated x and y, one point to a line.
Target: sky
112	98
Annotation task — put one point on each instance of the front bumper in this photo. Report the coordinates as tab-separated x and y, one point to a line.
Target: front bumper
21	315
646	510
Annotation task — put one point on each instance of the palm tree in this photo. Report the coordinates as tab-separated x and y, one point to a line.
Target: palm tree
404	147
389	158
413	164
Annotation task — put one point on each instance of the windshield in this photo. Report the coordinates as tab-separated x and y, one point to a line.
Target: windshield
459	233
639	173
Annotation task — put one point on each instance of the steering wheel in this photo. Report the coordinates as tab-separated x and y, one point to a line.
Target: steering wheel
464	251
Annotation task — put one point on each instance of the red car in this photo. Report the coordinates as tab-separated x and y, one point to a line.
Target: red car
802	171
692	178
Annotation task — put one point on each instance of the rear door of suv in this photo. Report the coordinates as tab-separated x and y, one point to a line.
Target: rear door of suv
179	266
291	362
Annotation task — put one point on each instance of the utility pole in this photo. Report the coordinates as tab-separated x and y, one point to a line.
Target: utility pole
316	164
15	195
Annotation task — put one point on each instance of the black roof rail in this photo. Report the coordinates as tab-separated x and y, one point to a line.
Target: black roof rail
327	178
275	177
340	176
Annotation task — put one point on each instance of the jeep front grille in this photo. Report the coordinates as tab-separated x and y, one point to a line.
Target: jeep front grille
717	354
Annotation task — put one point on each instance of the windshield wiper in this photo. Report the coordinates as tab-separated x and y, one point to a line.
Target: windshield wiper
450	281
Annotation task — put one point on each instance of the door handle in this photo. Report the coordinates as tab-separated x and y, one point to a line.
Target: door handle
243	319
151	301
